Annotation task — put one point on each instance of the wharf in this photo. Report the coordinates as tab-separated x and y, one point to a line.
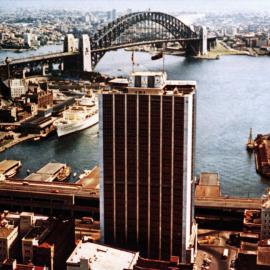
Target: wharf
48	173
82	198
208	196
91	179
17	139
262	154
9	167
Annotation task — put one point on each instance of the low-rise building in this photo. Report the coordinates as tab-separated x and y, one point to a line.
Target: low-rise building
49	244
92	256
18	87
8	241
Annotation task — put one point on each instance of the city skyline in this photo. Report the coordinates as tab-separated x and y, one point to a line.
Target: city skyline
121	5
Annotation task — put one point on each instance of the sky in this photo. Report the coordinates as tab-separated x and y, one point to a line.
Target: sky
155	5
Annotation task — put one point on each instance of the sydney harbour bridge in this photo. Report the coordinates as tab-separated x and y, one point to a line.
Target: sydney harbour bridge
135	29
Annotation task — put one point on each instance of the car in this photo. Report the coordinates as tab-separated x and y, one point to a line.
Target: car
87	220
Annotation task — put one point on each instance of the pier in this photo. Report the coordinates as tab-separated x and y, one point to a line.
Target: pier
47	173
214	210
9	167
208	195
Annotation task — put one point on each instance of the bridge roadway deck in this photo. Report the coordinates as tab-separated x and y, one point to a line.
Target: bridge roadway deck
42	57
230	203
141	43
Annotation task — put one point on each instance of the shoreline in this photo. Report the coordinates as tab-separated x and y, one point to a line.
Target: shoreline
14	50
16	141
221	49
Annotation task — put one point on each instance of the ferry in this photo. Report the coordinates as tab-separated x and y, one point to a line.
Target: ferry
78	117
64	173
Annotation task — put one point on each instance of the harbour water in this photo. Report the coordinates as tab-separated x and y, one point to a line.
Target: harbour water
41	50
232	96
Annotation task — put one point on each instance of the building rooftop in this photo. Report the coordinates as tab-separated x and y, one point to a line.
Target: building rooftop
102	257
5	231
39	177
148	73
51	168
263	257
180	83
119	81
26	214
37	233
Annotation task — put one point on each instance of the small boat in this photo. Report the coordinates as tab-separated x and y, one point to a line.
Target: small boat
85	173
64	174
250	144
19	51
157	56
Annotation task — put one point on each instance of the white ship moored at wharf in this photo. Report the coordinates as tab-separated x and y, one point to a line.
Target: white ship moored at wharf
78	117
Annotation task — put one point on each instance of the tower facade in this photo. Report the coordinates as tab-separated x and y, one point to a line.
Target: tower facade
146	163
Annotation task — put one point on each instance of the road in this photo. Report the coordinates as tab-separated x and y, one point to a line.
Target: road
228	202
215	250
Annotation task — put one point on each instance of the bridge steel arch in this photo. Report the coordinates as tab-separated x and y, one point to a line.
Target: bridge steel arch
104	38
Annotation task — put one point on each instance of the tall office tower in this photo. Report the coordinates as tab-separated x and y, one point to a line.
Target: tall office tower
146	159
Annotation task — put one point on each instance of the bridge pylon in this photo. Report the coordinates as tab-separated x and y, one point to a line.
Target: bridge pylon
85	53
204	49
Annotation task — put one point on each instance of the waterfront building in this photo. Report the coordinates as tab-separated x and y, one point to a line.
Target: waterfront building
146	166
93	256
43	98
